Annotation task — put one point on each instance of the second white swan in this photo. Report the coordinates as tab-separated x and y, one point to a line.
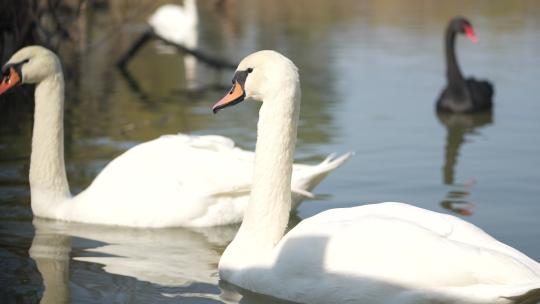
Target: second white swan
175	180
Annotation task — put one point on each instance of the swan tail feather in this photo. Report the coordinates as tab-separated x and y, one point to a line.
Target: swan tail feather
308	177
317	173
302	192
329	158
301	186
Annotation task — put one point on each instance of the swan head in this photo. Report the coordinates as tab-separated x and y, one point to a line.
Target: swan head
463	26
259	77
31	64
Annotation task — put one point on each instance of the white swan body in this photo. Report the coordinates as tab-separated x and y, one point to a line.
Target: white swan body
388	253
176	23
380	253
193	181
179	24
175	180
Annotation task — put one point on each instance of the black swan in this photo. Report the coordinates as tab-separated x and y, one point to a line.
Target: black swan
462	95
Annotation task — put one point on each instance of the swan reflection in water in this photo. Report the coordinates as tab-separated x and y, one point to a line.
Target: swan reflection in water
459	126
169	265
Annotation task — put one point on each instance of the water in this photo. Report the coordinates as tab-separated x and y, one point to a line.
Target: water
371	71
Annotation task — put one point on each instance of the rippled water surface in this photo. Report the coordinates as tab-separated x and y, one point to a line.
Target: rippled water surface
371	71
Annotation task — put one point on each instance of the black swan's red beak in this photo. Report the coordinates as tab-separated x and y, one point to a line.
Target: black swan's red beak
469	32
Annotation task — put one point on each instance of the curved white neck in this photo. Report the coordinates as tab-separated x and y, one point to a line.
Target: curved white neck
48	181
267	214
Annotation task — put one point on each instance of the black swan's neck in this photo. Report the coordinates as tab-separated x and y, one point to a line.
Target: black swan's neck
453	73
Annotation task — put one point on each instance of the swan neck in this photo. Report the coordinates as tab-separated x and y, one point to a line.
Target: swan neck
453	72
267	214
190	7
48	181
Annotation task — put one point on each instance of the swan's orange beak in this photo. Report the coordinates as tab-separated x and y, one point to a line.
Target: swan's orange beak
10	79
470	33
235	95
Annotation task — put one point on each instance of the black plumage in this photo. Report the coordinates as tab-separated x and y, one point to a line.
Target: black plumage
462	95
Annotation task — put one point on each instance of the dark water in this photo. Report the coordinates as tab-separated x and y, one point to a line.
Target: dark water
371	71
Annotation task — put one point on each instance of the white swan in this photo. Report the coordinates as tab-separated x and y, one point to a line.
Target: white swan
175	180
178	24
379	253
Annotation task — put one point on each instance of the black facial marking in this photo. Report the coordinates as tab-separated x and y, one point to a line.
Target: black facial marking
17	66
241	77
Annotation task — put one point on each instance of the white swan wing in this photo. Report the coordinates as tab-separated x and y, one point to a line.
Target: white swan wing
386	250
180	180
168	181
180	157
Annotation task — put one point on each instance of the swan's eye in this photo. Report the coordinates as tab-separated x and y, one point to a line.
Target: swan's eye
249	70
